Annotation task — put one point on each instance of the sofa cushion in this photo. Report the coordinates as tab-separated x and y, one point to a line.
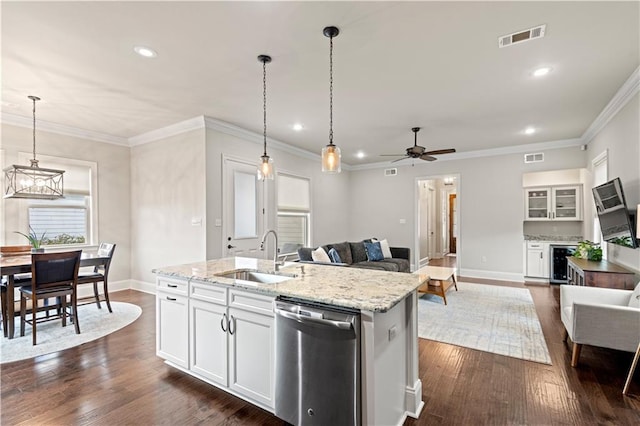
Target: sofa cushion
386	250
344	250
634	301
381	265
374	251
304	254
358	252
402	264
319	255
334	256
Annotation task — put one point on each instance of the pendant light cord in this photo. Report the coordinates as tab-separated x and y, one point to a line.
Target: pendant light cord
330	90
34	128
264	103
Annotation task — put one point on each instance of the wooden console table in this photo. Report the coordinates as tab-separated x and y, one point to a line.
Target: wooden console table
599	274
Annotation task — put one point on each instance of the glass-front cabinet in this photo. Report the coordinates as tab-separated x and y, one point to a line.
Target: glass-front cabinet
553	203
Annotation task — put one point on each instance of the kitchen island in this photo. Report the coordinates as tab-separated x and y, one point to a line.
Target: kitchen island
221	329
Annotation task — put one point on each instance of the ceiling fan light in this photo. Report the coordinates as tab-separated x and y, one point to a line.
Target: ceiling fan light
331	159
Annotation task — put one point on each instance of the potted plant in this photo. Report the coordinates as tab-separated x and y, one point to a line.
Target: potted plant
34	240
589	250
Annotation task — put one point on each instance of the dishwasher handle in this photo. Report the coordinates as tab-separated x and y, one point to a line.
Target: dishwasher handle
343	325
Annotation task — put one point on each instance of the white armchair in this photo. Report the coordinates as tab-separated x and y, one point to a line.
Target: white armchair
598	316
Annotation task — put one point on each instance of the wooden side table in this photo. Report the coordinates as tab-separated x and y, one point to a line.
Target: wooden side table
438	280
599	274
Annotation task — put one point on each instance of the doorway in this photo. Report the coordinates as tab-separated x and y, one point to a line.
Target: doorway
437	199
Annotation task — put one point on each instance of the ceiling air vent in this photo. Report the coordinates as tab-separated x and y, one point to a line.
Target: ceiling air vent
390	172
522	36
534	158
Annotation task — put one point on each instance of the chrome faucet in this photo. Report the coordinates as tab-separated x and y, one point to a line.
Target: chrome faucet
276	264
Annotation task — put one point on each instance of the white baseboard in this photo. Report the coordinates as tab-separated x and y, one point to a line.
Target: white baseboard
143	286
491	275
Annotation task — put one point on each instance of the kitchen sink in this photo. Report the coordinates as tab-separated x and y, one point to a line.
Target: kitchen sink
255	276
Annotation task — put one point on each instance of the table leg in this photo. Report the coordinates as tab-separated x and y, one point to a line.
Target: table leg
631	371
10	306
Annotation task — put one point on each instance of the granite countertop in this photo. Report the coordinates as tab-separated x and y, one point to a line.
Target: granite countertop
567	238
364	289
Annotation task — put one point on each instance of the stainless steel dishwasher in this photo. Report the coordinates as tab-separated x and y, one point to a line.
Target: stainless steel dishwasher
317	363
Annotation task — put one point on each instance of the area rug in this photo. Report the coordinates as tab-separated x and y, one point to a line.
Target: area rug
52	337
489	318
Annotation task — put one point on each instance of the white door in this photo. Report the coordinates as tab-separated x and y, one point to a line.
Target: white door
243	209
431	214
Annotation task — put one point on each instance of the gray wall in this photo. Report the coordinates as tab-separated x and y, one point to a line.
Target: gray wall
491	206
621	139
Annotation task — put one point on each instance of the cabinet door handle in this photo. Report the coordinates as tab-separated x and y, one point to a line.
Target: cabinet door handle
222	321
540	255
553	215
172	285
172	299
232	321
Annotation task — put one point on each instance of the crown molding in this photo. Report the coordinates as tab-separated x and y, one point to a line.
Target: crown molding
621	98
61	129
493	152
185	126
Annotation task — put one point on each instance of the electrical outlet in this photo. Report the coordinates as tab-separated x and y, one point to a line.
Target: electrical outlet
392	333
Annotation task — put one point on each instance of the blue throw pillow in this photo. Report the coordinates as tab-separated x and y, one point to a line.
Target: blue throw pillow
334	256
374	251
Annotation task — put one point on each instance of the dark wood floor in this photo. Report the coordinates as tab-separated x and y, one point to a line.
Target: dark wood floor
118	380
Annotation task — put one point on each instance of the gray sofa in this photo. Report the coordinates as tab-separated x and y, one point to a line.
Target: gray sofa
353	254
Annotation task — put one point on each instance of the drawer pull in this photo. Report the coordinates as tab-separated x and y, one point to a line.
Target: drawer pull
172	285
173	299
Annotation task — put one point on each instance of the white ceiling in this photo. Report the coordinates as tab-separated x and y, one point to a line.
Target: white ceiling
397	65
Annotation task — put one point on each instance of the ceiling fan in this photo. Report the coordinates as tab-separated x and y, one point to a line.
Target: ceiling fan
417	151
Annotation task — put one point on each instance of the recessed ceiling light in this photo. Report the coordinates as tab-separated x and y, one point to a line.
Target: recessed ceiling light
297	127
529	131
145	51
541	71
360	154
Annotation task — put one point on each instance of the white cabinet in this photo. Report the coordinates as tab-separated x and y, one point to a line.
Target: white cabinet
537	260
251	346
553	203
220	334
172	322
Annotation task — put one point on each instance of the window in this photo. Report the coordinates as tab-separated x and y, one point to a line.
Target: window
294	213
70	220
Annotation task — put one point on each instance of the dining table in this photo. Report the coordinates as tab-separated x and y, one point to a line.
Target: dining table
10	266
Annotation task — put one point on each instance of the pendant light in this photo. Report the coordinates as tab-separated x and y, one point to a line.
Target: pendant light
266	170
331	153
33	181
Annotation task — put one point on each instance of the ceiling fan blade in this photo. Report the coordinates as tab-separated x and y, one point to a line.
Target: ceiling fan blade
400	159
392	155
427	157
440	151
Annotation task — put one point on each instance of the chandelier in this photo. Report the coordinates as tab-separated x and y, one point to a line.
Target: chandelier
33	181
331	153
265	168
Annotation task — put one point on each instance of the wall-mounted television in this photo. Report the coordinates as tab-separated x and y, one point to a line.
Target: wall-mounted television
615	220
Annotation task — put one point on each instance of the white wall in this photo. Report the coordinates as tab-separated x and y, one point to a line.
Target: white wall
621	139
114	210
490	203
329	193
167	192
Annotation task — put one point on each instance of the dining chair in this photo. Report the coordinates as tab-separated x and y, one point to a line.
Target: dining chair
53	275
19	280
100	274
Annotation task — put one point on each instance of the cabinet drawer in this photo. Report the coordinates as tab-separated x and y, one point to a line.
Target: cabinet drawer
170	285
208	293
533	245
253	302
